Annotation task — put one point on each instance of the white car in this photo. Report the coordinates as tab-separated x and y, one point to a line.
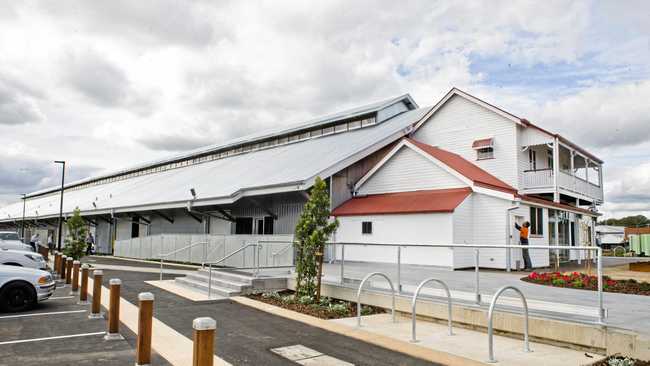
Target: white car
21	288
11	240
22	258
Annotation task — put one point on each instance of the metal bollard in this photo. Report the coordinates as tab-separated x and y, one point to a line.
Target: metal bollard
62	267
83	293
145	315
95	308
114	311
75	277
204	329
68	270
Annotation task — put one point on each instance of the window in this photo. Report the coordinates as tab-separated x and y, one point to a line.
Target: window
268	225
135	229
243	225
549	157
532	159
485	153
366	227
260	227
536	221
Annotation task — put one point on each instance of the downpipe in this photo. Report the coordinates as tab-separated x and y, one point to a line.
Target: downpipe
509	210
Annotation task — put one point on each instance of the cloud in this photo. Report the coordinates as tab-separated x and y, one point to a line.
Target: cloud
20	175
17	103
145	22
104	83
177	142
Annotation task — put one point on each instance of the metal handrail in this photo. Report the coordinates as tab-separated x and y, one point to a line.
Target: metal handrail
414	303
163	256
210	264
491	315
602	313
361	287
281	251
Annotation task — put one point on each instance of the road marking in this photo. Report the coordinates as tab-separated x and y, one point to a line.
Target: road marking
42	314
50	338
306	356
60	297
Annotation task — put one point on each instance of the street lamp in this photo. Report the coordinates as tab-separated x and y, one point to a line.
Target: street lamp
62	162
22	223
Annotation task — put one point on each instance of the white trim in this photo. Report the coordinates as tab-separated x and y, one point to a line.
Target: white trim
493	192
536	204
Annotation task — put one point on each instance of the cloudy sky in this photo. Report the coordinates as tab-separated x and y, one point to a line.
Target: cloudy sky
106	84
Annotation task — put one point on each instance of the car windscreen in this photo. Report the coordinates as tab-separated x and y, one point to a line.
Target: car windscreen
9	236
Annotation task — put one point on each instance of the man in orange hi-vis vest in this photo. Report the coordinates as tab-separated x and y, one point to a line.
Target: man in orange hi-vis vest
523	240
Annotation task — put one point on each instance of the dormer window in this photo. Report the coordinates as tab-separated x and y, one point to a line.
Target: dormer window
484	148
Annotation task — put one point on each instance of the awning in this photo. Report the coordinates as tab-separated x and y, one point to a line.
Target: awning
439	200
483	143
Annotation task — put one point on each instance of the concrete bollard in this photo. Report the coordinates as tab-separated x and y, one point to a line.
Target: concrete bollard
83	293
114	311
75	277
145	321
68	270
95	308
62	266
204	329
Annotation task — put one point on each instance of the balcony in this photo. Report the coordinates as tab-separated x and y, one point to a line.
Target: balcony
541	181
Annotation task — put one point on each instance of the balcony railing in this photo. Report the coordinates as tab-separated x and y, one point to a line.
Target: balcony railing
543	179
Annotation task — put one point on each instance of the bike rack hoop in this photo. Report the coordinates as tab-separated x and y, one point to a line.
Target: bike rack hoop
414	304
491	316
392	289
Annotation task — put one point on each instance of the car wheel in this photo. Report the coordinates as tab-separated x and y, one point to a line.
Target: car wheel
17	297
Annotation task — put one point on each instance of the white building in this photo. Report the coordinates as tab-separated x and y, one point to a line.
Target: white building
467	173
477	159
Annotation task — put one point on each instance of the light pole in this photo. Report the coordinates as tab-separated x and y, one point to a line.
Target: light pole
62	162
22	223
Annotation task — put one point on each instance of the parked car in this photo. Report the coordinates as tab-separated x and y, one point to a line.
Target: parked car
22	258
21	288
11	240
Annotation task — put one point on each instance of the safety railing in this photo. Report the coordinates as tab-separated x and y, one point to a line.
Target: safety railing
392	289
187	247
230	255
414	304
283	250
477	247
491	316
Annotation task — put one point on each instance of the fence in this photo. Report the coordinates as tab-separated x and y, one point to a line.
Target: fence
274	252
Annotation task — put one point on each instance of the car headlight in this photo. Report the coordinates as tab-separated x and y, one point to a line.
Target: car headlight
44	280
35	257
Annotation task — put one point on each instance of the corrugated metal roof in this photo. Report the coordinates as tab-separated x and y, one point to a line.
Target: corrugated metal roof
288	166
438	200
260	136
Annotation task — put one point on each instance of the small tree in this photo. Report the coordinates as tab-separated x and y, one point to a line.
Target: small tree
312	231
75	241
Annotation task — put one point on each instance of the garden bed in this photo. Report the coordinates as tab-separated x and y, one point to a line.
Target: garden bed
583	281
621	361
327	308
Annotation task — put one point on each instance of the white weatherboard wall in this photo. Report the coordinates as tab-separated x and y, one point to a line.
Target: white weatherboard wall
463	220
432	228
459	122
408	170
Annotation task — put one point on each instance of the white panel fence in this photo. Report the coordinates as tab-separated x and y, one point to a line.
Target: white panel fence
273	249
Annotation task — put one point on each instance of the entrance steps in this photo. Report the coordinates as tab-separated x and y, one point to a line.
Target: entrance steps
229	282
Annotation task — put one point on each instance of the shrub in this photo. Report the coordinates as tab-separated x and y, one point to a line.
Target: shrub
305	300
289	299
324	301
340	309
75	241
558	282
620	361
577	283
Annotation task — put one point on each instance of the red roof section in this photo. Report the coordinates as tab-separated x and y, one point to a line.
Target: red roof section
482	143
439	200
472	172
